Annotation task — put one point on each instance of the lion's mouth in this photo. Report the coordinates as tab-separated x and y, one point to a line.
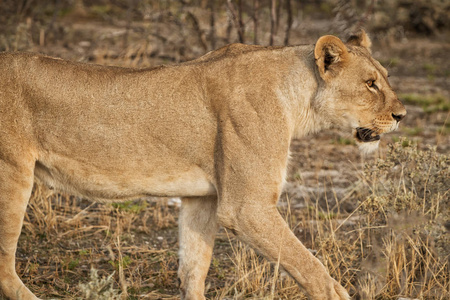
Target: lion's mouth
366	135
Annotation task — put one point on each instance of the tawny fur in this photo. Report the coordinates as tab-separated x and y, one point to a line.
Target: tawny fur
215	131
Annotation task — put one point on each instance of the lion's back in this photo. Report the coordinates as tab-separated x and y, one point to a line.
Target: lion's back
228	51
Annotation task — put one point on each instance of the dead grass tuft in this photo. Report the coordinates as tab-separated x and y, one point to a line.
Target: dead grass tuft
99	288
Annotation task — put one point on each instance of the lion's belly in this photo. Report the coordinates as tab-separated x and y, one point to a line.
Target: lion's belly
108	185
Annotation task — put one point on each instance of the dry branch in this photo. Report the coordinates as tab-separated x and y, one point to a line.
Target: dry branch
273	20
289	22
255	21
212	25
196	25
237	22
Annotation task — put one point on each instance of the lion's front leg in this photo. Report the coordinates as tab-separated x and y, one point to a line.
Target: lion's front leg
16	182
249	185
198	227
261	226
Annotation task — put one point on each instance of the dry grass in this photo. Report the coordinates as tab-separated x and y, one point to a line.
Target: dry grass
394	244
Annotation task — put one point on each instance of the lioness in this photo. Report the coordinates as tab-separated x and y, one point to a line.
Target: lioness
215	131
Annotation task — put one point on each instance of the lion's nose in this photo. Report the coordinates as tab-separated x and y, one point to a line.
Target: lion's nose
398	117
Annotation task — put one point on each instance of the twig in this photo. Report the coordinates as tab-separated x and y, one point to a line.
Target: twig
273	20
196	25
237	23
255	21
212	25
289	22
366	16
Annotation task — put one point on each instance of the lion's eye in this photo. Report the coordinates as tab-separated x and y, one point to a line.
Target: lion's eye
370	83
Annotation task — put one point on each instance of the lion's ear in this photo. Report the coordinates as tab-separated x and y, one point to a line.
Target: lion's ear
360	39
330	54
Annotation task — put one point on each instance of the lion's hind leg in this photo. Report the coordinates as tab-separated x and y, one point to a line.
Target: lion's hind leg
16	183
198	227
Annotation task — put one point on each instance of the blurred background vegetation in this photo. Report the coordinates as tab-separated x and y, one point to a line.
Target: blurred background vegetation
155	31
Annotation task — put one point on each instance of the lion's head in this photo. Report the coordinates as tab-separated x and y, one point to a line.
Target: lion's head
355	89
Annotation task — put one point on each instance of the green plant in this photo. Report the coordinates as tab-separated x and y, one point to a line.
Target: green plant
84	252
430	68
344	141
218	269
73	263
131	206
125	262
413	131
429	103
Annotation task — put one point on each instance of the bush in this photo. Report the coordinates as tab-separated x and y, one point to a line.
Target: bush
405	213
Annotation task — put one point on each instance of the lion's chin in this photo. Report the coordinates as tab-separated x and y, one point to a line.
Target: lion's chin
368	147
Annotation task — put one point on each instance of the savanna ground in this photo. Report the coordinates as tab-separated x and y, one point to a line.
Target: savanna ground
379	223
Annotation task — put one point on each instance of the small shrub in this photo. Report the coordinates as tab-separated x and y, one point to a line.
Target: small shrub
405	210
99	288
